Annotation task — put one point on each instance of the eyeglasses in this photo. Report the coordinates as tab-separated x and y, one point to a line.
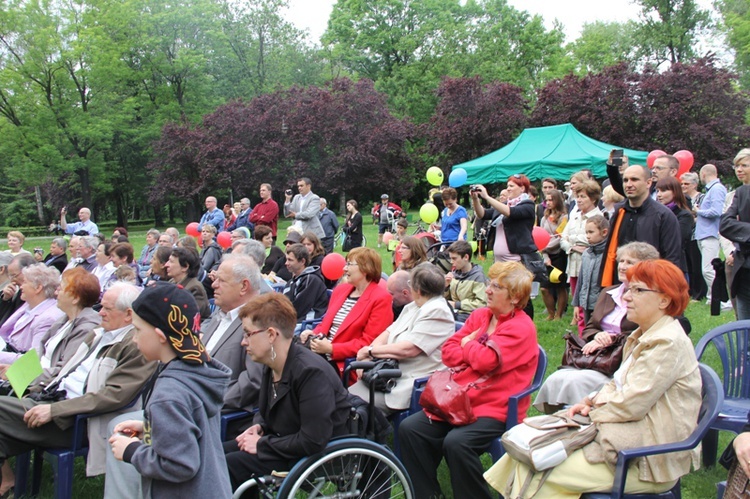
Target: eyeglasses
517	175
495	286
248	334
686	183
636	291
351	264
740	165
660	168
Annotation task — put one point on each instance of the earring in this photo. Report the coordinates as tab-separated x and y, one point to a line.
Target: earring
273	354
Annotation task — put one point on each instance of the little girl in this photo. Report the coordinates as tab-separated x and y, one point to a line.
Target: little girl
588	287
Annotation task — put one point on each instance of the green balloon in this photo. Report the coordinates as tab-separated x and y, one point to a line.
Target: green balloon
435	175
428	213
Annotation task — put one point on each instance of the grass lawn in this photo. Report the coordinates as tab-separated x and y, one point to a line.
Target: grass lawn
697	485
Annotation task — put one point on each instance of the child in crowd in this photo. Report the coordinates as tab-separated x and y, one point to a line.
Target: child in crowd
466	283
587	288
177	448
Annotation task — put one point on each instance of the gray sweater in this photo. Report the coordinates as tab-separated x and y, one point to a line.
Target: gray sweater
181	453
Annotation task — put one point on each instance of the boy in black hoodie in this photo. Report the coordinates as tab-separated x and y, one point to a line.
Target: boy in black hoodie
177	448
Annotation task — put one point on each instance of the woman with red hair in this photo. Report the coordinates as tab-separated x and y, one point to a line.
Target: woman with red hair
653	399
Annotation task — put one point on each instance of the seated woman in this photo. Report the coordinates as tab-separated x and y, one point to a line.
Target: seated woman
654	398
412	251
273	253
302	403
158	271
104	266
78	292
358	311
568	385
499	339
414	339
317	253
27	326
122	254
182	267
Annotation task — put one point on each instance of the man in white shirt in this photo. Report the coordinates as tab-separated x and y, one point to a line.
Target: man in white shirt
103	376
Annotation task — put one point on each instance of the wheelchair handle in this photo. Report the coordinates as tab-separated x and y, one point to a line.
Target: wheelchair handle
361	364
387	374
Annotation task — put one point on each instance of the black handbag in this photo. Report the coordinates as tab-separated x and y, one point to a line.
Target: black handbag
534	263
380	384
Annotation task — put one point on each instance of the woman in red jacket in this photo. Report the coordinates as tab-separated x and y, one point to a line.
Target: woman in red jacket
358	311
499	340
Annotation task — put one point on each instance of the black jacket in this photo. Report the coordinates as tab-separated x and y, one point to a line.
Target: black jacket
310	407
735	226
59	261
651	223
518	227
308	293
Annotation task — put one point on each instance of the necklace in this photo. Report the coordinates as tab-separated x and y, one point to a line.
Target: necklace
274	384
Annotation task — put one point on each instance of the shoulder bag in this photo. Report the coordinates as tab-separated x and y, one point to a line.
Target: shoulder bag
605	360
448	400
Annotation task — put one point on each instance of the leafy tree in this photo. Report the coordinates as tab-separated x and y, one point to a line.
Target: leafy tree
341	135
669	28
472	119
736	15
691	106
603	44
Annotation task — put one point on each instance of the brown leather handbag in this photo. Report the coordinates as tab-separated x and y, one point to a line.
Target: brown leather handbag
738	485
605	360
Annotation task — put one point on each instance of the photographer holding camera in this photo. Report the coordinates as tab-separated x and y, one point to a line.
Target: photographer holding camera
304	208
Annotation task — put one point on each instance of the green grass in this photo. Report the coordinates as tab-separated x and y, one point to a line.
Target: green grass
697	485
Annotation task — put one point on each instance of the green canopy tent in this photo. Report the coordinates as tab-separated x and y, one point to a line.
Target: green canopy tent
551	151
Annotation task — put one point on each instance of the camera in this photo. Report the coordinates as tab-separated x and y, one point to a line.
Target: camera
474	188
39	251
288	192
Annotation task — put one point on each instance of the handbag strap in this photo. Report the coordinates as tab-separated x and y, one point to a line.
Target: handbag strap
493	346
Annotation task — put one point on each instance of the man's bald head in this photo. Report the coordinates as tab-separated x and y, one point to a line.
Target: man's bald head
398	287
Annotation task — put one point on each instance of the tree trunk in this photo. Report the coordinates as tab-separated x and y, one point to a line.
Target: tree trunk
342	203
122	220
39	208
83	175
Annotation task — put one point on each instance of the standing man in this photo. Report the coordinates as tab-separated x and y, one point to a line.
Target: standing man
385	213
243	219
267	211
707	220
304	208
213	215
330	225
85	224
640	218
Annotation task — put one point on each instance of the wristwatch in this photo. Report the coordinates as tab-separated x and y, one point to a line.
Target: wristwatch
369	352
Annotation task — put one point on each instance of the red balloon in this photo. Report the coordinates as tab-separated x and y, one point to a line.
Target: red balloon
686	161
224	239
656	153
541	238
200	242
192	229
332	266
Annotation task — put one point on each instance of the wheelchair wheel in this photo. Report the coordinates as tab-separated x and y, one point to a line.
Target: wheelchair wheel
349	468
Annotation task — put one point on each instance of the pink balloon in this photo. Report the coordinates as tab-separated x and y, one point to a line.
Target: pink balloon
192	229
387	237
686	161
332	266
541	238
656	153
224	239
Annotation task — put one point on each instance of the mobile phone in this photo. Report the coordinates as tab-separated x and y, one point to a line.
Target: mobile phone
617	157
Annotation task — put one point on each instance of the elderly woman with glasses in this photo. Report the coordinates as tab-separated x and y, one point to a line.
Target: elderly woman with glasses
654	398
500	341
415	339
358	311
302	403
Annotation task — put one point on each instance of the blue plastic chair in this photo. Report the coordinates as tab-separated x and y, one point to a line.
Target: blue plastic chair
732	343
713	398
496	447
229	417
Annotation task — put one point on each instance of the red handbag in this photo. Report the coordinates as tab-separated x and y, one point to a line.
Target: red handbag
443	398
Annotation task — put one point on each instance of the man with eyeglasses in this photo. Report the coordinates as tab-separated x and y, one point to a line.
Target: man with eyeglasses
640	218
707	219
664	166
243	219
213	215
304	208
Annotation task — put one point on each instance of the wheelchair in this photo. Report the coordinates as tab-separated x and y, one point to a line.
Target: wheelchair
353	466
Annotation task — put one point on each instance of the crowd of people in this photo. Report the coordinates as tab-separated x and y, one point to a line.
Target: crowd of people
202	328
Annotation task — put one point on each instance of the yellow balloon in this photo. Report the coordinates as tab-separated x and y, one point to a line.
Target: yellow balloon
435	176
428	213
